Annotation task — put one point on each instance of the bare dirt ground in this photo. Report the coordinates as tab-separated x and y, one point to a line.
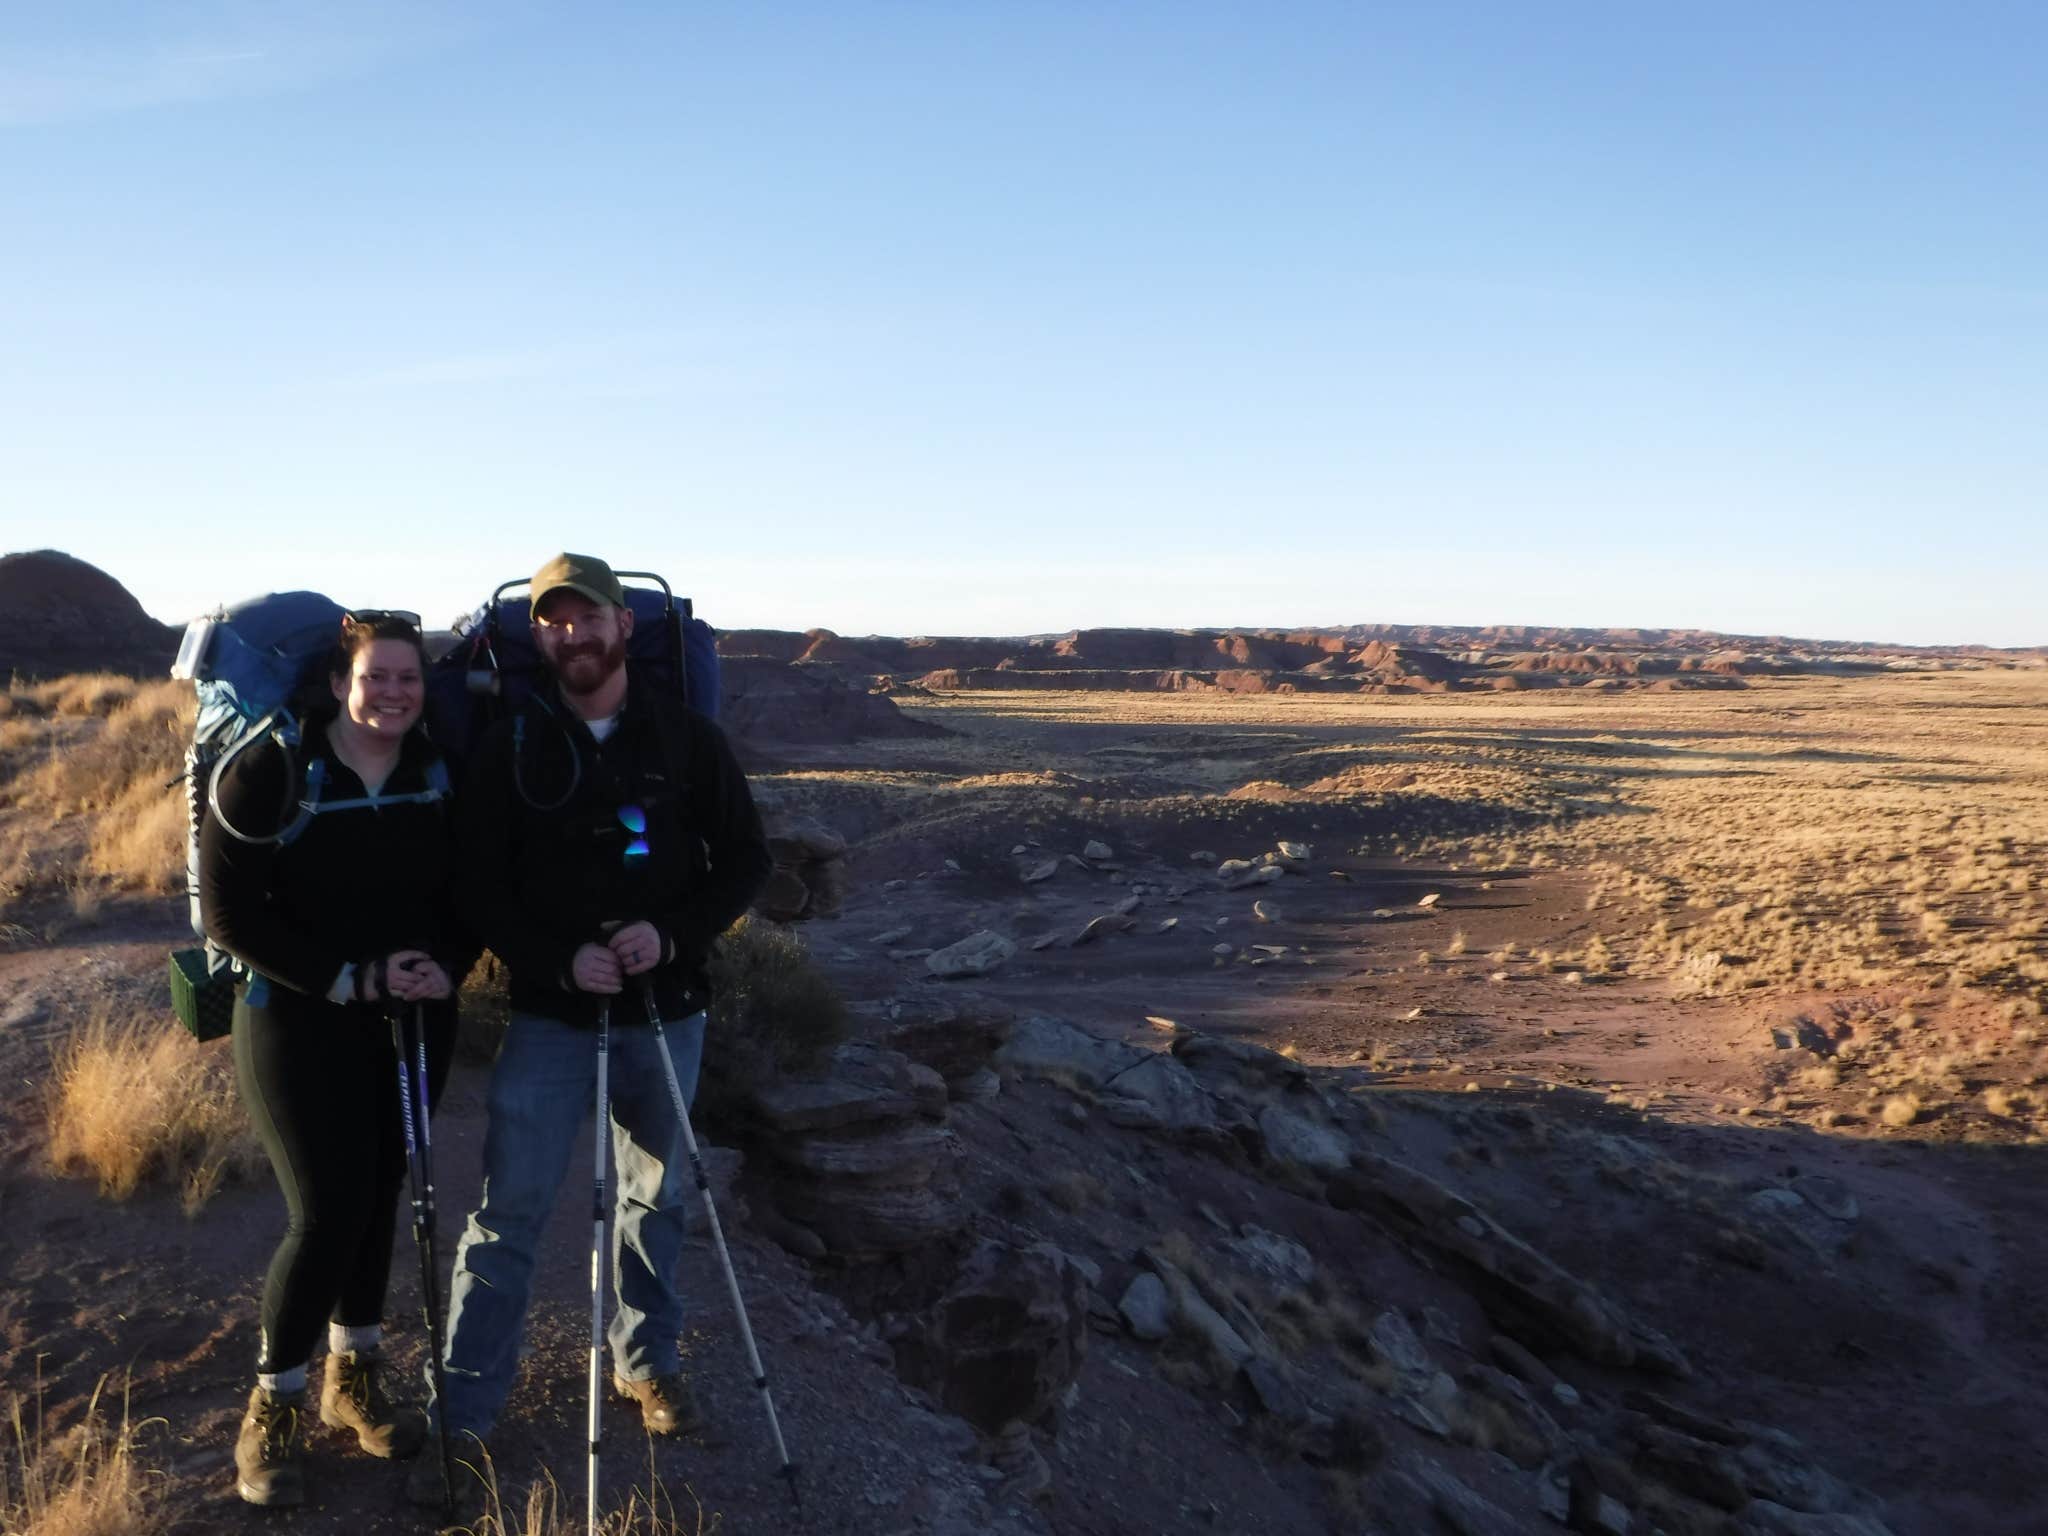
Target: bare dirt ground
1627	972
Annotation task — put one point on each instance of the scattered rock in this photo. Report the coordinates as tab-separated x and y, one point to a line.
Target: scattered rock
1097	851
1044	869
1294	1140
1431	899
1145	1309
1201	856
1096	927
1295	856
975	955
1166	1094
1265	912
1831	1197
1192	1312
1278	1257
1052	1048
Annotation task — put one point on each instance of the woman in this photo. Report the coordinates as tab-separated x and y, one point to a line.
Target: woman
340	914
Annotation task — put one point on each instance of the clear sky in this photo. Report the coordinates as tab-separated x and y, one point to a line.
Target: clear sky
1017	315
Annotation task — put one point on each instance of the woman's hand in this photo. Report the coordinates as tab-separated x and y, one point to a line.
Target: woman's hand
414	976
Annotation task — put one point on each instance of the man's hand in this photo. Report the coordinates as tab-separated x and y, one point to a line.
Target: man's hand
596	969
414	976
638	947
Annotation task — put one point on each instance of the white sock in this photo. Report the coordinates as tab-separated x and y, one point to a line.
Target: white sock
282	1383
343	1340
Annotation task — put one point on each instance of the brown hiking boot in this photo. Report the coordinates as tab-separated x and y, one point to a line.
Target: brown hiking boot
469	1470
666	1404
267	1469
353	1398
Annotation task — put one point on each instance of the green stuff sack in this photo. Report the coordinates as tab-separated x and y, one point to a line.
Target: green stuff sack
203	999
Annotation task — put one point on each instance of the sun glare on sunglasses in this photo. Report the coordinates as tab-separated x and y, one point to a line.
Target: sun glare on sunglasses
634	819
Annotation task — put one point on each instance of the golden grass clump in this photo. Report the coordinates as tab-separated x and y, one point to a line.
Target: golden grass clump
119	776
1902	1110
142	742
136	1100
82	693
649	1511
88	1481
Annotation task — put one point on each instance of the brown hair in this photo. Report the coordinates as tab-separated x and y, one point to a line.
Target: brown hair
360	631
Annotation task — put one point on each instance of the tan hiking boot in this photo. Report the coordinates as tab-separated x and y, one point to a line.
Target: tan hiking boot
267	1465
353	1398
667	1406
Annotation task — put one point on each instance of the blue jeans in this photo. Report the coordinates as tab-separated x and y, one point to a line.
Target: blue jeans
542	1089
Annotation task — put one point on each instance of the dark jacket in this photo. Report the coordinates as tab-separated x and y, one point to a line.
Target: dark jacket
352	885
549	860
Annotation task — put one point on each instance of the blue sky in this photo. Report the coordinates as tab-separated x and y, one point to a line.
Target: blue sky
927	317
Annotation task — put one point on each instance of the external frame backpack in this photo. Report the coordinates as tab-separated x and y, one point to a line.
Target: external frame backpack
259	666
494	666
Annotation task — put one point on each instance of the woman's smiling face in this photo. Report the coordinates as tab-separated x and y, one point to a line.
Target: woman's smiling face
384	690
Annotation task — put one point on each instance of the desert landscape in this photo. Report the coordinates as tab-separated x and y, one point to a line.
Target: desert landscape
1375	1080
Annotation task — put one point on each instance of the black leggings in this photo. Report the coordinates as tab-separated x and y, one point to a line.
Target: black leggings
320	1082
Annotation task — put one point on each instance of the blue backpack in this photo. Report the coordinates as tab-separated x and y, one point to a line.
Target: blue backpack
494	666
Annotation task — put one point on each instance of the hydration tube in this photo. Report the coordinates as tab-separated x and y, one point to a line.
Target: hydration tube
261	732
519	777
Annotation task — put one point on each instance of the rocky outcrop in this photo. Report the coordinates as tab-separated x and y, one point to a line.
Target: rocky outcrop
1006	1338
1525	1291
809	879
62	615
767	702
856	1156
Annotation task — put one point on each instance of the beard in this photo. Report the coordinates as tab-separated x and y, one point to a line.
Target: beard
587	667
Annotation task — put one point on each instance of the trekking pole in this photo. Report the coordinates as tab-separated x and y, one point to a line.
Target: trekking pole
419	1163
732	1283
597	1215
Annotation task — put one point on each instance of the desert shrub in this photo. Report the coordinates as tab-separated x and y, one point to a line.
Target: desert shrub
88	1481
136	1100
775	1012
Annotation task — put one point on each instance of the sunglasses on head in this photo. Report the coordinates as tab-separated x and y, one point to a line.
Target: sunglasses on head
358	617
634	819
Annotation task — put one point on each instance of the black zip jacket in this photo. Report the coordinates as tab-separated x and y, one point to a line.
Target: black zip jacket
550	857
352	885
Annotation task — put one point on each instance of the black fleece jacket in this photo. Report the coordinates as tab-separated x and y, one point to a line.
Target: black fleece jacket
352	885
543	828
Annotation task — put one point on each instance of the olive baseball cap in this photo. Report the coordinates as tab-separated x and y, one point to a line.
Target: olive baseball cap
579	573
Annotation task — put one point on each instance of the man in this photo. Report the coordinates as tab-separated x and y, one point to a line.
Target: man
606	838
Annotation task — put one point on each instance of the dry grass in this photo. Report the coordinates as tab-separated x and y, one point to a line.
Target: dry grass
88	1481
135	1101
649	1511
82	693
116	772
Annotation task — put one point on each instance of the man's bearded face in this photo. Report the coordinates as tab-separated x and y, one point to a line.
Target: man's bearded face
583	641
